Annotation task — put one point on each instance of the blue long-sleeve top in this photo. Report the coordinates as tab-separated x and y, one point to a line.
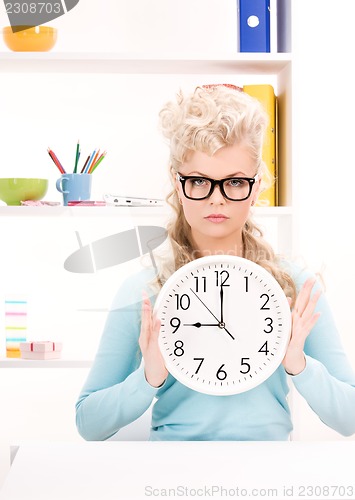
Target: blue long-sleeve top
116	392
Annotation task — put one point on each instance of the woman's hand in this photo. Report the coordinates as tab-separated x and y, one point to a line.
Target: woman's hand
154	367
303	320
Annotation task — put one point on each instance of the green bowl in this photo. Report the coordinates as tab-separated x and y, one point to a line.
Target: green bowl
17	189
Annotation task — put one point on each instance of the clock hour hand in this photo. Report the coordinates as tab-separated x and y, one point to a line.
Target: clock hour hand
198	325
220	325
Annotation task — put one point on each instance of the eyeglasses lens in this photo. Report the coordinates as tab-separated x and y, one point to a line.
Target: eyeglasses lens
198	188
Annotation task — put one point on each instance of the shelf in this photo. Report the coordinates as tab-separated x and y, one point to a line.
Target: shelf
47	363
136	63
61	211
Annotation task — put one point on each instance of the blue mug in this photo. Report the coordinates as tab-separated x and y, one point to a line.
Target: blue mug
74	187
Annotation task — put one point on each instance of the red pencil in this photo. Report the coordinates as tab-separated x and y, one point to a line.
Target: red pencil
56	161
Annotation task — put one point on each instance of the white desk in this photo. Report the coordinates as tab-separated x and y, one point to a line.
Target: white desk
141	470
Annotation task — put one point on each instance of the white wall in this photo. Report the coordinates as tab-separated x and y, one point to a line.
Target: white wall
66	108
323	146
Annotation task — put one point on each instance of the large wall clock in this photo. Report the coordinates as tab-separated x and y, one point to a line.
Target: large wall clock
225	324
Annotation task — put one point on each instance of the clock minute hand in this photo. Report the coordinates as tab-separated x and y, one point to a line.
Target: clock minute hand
208	309
221	297
222	324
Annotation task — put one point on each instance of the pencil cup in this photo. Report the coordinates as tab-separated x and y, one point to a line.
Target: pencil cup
75	187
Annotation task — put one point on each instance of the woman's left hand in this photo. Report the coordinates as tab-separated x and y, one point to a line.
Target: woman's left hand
303	320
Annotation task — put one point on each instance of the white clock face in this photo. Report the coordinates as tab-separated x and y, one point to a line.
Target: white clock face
225	324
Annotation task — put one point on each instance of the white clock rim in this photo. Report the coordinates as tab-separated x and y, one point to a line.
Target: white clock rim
218	259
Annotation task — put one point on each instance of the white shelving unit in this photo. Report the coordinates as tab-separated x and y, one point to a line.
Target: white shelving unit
105	211
275	66
135	63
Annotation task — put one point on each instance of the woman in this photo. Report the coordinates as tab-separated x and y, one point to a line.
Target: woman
216	133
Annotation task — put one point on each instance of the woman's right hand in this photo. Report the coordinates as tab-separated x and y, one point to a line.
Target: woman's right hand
154	366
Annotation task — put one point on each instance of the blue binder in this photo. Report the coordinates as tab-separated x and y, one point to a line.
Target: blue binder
254	25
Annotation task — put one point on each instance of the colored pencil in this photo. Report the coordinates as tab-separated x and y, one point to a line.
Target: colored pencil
88	165
56	161
98	162
101	156
94	161
77	154
91	163
87	159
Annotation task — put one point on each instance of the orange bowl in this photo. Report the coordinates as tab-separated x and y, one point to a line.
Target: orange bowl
32	39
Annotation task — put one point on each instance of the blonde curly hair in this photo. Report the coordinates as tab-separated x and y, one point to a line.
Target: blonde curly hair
208	119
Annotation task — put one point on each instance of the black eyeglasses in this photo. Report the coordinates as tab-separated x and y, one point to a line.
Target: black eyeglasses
232	188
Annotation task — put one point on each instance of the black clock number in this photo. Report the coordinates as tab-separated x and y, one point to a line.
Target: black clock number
179	351
199	366
264	349
269	324
182	302
221	278
175	323
200	283
221	374
244	363
246	283
263	307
